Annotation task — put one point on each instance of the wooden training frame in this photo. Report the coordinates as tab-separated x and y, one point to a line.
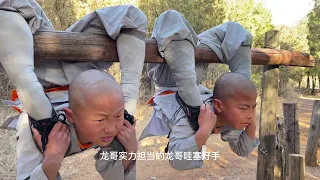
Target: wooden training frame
67	46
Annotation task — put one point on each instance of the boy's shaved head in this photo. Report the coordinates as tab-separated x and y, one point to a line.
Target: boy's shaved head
234	100
96	107
229	84
89	85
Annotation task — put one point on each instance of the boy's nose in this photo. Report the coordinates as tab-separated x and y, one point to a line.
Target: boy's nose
250	115
108	128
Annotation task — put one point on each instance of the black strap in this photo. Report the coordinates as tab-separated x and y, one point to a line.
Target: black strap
45	126
167	147
128	117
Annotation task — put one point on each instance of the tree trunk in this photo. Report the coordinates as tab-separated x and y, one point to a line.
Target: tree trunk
313	85
319	80
300	84
308	80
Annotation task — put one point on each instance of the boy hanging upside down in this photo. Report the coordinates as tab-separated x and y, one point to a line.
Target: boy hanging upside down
180	97
42	87
95	118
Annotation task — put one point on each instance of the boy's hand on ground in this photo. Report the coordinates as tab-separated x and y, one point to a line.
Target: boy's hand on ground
58	141
127	137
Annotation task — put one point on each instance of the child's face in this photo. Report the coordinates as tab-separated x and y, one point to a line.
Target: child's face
101	120
239	110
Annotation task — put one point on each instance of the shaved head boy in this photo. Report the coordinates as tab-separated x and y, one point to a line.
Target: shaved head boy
95	119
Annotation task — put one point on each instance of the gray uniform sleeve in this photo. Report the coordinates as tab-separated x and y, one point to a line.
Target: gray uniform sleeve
182	141
38	174
112	168
240	142
29	158
29	161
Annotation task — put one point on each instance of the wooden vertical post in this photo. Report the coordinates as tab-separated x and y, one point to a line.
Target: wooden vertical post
292	133
268	113
296	167
280	165
314	136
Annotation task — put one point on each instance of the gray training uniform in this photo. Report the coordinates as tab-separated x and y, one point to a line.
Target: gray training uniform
167	117
232	43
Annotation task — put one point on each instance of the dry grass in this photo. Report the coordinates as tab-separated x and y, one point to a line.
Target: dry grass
7	138
8	147
5	86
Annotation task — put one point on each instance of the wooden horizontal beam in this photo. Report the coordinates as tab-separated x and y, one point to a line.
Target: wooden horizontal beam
71	46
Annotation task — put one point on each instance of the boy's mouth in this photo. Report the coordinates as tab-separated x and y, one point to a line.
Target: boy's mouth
245	124
107	138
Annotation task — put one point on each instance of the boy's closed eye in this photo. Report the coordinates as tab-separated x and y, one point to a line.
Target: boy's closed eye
116	117
119	116
244	108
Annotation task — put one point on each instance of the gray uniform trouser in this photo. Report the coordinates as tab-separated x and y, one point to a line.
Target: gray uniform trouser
230	41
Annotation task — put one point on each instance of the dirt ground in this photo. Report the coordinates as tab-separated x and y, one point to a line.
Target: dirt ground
227	167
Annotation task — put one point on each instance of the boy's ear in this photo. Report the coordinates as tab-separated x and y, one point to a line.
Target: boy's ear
69	115
217	104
